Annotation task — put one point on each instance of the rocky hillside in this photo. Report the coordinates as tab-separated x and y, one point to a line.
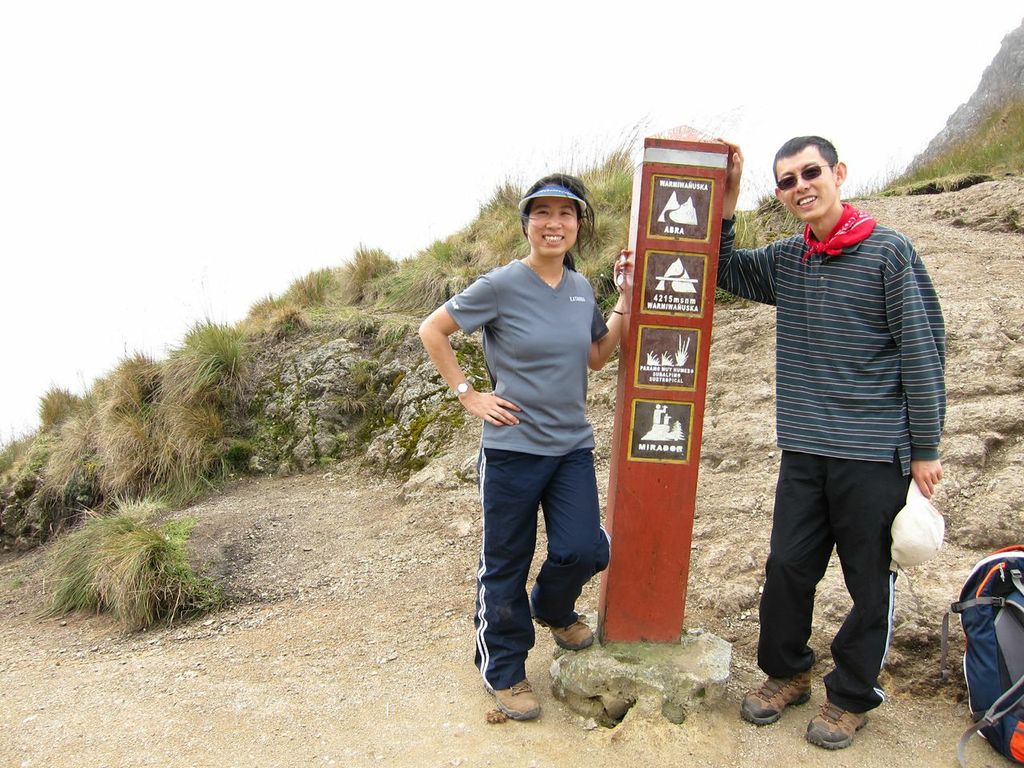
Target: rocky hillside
1001	83
349	638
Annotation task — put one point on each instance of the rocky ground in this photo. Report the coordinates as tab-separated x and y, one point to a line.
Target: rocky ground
349	639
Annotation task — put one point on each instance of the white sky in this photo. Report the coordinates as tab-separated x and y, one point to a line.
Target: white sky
161	163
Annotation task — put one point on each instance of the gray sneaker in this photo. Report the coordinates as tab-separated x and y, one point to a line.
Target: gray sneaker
518	702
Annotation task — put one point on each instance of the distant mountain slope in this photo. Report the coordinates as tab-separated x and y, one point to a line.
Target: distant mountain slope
1002	82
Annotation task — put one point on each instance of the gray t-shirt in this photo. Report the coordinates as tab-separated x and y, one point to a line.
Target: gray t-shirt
536	342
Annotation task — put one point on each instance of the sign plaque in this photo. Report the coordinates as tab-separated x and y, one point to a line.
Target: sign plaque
680	207
660	431
673	282
667	358
675	227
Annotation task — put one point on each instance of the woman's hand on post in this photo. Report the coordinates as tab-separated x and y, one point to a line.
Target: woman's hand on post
490	408
622	271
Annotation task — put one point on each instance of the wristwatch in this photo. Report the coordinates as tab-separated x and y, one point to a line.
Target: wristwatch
463	388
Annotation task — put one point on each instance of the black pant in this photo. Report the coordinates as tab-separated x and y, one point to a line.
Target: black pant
821	502
512	487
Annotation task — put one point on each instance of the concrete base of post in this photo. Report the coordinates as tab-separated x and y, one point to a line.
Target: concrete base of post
604	682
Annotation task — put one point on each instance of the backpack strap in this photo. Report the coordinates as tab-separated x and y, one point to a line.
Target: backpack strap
999	709
962	605
943	666
1009	629
961	748
1016	578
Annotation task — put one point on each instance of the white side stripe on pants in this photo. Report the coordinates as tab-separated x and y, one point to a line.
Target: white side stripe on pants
888	634
481	642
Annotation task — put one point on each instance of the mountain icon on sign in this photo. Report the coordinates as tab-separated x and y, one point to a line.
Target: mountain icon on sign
679	213
677	277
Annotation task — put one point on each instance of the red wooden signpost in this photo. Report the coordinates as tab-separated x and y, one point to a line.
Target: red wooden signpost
675	229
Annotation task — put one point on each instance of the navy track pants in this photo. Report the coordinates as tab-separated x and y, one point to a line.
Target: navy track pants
821	502
513	486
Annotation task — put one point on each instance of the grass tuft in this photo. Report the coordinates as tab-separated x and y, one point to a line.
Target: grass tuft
72	474
194	440
359	325
277	319
439	271
124	431
263	308
11	453
313	289
124	565
56	406
496	235
287	321
393	331
362	277
210	364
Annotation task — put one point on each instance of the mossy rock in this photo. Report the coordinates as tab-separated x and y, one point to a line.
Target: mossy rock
27	524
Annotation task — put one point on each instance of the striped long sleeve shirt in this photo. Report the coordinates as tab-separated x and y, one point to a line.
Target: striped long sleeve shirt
859	348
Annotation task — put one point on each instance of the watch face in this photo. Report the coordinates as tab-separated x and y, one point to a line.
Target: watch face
462	389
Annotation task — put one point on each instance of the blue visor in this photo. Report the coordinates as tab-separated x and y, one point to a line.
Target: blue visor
552	190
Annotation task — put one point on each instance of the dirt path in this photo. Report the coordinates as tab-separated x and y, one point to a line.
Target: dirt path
350	641
357	652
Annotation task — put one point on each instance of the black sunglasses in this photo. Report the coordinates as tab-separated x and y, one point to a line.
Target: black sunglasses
810	173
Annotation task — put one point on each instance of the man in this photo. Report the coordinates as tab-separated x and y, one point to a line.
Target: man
860	403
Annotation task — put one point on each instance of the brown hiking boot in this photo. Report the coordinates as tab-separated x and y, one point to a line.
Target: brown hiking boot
518	702
765	705
833	728
575	637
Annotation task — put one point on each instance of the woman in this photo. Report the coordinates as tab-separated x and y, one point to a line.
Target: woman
542	329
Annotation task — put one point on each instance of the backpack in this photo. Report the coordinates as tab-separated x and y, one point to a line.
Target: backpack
991	610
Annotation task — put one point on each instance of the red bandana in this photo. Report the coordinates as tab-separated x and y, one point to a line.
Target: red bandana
852	227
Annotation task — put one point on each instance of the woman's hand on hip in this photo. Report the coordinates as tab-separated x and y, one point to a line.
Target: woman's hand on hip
491	408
